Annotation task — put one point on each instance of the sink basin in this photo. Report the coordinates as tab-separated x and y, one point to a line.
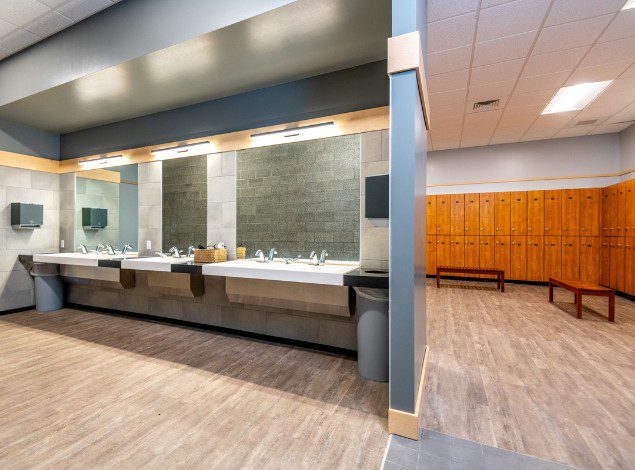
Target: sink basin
153	264
78	259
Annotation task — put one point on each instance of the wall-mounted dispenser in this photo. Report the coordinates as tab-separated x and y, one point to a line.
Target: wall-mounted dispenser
377	197
26	216
94	218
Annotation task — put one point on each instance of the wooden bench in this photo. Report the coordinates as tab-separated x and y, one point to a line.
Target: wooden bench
580	288
499	273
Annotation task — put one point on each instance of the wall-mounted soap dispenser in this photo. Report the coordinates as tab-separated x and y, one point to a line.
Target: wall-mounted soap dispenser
26	216
93	218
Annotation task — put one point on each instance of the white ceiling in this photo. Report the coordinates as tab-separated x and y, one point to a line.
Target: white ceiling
25	22
522	52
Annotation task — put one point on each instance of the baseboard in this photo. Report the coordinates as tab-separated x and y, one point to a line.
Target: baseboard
406	424
17	310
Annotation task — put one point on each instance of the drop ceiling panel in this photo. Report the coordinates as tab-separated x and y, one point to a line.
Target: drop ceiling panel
607	52
565	11
554	62
541	82
449	61
499	50
621	27
451	33
442	9
502	71
448	81
490	91
510	18
571	35
598	73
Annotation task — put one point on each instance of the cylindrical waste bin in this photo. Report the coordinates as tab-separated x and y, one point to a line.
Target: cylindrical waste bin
372	333
49	290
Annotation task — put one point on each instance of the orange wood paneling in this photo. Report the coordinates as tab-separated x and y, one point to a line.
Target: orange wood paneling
605	259
621	209
431	215
502	214
621	262
518	216
613	208
571	257
472	252
486	253
457	250
444	246
629	266
590	212
571	212
535	258
553	212
590	266
502	254
614	264
535	212
553	257
518	268
605	209
443	214
486	213
431	254
472	214
630	208
457	214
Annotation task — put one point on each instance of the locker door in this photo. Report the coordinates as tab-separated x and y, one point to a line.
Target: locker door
605	208
431	215
621	209
553	212
629	266
630	208
502	214
443	250
613	262
605	258
570	212
518	270
518	216
471	251
590	212
502	253
431	254
553	257
571	257
486	253
535	212
471	214
443	214
535	258
457	214
590	259
457	250
621	261
613	201
486	213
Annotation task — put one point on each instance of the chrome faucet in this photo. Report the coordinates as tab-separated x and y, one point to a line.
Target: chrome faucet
291	260
260	255
174	251
190	251
323	256
314	259
125	248
161	255
110	250
99	248
272	253
82	248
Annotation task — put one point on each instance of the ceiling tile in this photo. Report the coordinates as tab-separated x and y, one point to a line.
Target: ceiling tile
53	3
491	3
77	10
607	52
571	35
491	91
49	24
576	131
614	98
554	62
503	49
21	12
443	126
609	129
448	61
622	85
442	9
534	98
447	145
476	142
4	53
5	28
625	115
18	39
541	82
502	71
448	81
445	111
565	11
598	112
630	72
451	33
623	26
504	139
598	73
447	98
553	121
511	18
538	135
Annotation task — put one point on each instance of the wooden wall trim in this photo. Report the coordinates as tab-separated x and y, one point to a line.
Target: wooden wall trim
28	162
101	175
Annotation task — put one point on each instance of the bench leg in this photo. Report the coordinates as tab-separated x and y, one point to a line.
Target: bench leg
612	308
502	283
438	280
578	305
550	292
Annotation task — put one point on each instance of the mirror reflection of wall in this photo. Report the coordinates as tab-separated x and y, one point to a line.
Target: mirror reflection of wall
129	206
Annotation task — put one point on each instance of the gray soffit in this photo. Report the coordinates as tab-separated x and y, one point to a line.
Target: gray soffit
299	40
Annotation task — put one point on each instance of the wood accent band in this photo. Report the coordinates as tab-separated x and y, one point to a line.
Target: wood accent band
406	424
27	162
101	175
405	54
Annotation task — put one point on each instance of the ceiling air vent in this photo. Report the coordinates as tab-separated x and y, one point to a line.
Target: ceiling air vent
486	105
587	123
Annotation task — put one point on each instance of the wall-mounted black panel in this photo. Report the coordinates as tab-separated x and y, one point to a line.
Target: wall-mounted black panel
377	197
26	216
94	218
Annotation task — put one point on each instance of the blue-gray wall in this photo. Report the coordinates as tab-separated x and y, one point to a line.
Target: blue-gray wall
352	89
26	140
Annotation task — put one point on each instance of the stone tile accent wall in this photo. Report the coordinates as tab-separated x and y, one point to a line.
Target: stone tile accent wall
221	200
213	308
184	202
373	245
301	197
67	212
102	195
18	185
150	203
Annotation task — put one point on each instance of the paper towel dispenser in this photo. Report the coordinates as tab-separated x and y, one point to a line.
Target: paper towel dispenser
26	216
94	218
377	197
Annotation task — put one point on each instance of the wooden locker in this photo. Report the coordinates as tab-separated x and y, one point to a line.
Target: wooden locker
486	213
535	258
589	212
471	214
443	214
571	257
431	254
605	259
486	253
629	266
621	209
553	212
605	209
590	266
502	214
431	215
518	269
630	208
502	253
571	212
518	216
621	262
457	250
613	262
457	214
553	257
613	201
471	251
535	212
443	250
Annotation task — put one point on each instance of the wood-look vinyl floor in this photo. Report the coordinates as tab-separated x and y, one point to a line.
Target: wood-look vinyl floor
88	390
513	371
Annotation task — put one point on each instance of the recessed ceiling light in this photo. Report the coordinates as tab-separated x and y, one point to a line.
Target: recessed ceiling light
102	162
630	4
576	97
199	148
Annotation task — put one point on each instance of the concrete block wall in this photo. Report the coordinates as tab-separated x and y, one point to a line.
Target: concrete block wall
18	185
150	207
221	200
102	195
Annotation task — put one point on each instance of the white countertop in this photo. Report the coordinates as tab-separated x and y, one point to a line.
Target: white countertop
332	273
153	264
78	259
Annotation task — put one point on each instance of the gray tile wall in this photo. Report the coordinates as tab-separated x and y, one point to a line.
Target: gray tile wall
300	197
67	211
18	185
221	200
184	186
150	202
102	195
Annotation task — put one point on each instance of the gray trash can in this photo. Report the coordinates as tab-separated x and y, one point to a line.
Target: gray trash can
49	289
372	333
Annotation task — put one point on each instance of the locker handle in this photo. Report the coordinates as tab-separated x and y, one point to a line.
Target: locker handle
513	230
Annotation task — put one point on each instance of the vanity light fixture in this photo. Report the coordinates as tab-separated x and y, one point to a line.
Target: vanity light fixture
575	97
630	4
301	131
199	148
102	162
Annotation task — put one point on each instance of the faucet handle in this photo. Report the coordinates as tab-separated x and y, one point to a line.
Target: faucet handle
313	253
